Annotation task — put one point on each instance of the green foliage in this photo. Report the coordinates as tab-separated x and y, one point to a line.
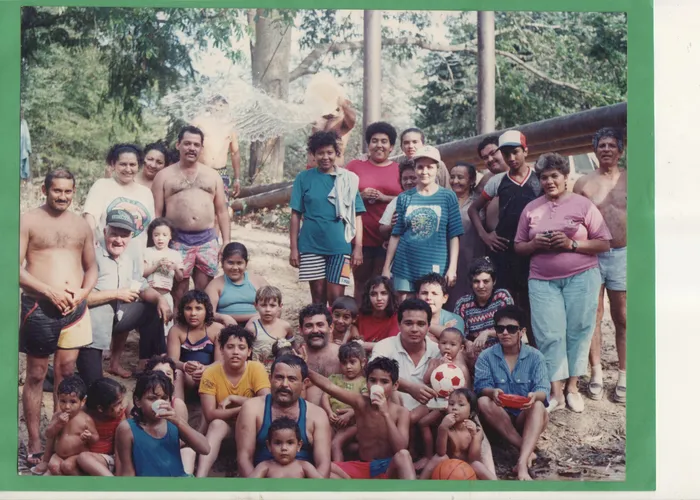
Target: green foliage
588	50
70	124
146	50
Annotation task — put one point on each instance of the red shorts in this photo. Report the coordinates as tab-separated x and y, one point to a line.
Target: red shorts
358	469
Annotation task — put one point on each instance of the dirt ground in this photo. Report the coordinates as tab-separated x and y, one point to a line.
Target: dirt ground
588	446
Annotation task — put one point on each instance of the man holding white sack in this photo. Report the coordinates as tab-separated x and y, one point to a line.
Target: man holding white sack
326	95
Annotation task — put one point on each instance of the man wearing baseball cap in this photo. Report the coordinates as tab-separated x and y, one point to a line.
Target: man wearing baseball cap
120	302
514	188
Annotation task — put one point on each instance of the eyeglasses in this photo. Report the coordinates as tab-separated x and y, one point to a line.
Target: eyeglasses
511	329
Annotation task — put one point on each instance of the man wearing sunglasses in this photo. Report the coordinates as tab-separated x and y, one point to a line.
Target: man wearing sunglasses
513	368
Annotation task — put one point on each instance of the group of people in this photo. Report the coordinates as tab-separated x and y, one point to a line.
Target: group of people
498	277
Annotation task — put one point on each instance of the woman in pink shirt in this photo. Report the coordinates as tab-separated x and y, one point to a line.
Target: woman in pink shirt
563	232
379	184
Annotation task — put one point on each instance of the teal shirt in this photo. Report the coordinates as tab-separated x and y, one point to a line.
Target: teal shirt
322	233
446	316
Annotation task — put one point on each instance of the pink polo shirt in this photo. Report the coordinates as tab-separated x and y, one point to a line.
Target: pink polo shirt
578	218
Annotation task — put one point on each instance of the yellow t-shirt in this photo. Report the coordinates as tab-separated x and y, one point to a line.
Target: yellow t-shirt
358	384
215	383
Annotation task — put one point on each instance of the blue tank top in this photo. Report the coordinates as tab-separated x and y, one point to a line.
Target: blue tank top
237	299
262	453
201	351
155	457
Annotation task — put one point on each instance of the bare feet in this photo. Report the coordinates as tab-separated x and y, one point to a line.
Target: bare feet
40	469
521	471
117	370
531	459
420	464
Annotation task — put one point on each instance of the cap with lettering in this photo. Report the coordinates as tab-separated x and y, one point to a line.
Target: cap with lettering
512	139
122	219
427	152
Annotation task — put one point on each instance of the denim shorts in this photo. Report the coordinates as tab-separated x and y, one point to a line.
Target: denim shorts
613	269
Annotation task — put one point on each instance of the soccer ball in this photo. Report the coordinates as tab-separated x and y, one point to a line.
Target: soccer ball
446	378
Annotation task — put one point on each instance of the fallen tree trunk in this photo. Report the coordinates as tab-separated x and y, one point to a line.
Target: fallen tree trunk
252	190
270	199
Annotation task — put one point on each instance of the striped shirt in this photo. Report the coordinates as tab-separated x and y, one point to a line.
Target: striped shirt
425	224
478	318
529	375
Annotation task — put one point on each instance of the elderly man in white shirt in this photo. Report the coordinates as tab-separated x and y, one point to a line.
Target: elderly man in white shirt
413	351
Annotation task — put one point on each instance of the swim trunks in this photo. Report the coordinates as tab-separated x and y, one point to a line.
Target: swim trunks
358	469
44	329
198	249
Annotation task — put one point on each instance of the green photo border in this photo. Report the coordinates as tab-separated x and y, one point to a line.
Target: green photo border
641	441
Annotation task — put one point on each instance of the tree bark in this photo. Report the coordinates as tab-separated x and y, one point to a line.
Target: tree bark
270	70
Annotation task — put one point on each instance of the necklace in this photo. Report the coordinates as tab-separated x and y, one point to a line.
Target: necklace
190	183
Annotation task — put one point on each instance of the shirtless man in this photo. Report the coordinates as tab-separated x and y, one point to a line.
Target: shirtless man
288	376
342	121
382	425
192	196
221	141
493	159
607	188
59	274
314	323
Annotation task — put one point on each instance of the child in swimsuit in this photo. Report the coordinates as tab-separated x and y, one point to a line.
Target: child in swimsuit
192	341
233	294
148	444
162	264
268	328
105	404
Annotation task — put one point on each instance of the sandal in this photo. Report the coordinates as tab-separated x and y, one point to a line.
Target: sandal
620	394
595	390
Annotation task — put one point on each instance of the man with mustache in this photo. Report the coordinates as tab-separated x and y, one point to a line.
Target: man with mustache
322	354
191	195
607	189
288	376
514	188
57	272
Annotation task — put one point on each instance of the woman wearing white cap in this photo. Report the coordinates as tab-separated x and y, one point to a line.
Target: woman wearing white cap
425	238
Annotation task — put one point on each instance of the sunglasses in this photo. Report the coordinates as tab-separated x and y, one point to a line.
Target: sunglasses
511	329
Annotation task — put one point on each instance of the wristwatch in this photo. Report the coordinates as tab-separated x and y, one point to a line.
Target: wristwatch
574	245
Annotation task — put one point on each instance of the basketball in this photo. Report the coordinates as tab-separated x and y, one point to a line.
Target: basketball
454	470
446	378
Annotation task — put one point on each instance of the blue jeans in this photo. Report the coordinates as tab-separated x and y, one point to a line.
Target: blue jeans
563	319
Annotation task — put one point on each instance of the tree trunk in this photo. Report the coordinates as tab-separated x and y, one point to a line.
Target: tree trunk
270	64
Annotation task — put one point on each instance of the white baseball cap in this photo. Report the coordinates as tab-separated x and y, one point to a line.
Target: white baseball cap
512	139
427	152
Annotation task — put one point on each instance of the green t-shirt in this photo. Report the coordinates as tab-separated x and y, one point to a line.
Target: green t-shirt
322	233
359	384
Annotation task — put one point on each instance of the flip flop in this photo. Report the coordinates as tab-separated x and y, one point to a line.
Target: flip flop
33	456
620	394
595	390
